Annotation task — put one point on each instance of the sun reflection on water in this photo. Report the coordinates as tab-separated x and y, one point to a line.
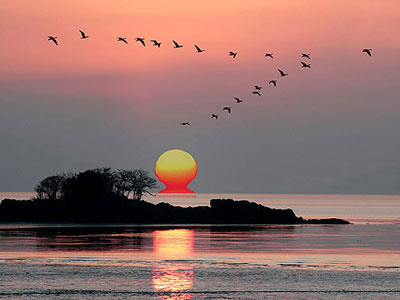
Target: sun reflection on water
174	243
173	281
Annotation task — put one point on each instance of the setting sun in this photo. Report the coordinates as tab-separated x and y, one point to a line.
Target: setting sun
176	169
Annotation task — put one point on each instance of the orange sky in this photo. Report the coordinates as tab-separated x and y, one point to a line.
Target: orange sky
333	31
251	27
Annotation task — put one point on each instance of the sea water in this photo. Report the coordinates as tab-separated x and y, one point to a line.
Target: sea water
357	261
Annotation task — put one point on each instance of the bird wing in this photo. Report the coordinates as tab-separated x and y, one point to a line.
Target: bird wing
175	43
142	41
367	51
53	40
82	33
281	72
197	48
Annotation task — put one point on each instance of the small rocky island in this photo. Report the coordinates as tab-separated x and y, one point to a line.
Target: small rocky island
103	196
220	211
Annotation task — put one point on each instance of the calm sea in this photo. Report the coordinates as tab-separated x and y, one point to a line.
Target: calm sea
357	261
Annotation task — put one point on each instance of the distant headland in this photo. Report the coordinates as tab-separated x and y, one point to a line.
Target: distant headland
102	196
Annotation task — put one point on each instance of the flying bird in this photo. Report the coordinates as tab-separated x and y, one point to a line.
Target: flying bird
214	116
141	40
257	88
185	124
368	51
256	93
120	39
176	45
269	55
238	100
198	49
227	108
84	36
155	43
306	55
53	39
304	65
233	54
273	82
283	74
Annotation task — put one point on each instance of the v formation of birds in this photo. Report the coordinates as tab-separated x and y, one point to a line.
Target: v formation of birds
228	109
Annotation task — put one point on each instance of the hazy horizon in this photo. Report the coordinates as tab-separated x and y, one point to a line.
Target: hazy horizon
331	129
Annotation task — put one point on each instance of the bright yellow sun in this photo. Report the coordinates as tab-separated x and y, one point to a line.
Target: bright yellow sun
176	169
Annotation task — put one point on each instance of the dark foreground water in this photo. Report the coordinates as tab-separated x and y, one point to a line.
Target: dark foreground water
206	262
358	261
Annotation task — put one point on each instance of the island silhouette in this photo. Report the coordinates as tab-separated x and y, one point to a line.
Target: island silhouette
108	196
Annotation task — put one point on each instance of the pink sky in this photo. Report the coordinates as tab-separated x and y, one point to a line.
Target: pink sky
134	87
333	31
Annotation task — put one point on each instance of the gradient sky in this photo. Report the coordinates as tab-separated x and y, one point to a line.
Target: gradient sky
96	102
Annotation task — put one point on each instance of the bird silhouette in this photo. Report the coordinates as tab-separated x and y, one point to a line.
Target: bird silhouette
53	39
304	65
283	74
368	51
185	124
238	100
233	54
155	43
257	88
227	108
214	116
198	49
141	40
269	55
176	45
306	55
273	82
121	39
83	35
256	93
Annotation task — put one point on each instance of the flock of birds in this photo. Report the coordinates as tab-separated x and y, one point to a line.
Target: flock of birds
228	109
